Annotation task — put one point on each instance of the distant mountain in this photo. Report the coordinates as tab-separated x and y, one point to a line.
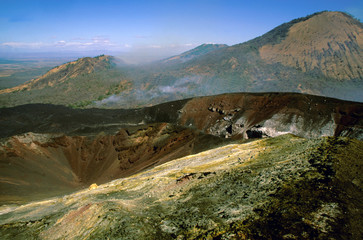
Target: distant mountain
77	82
195	52
321	54
65	72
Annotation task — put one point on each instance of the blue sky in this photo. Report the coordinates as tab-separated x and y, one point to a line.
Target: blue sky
149	27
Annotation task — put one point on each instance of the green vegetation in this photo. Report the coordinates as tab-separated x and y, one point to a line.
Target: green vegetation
77	92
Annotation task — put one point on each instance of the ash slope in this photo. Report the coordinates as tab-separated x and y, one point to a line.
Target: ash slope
276	188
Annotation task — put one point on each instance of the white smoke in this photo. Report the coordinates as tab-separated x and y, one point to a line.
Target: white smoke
182	85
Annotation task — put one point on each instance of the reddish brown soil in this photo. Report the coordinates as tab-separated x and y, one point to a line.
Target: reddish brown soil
34	170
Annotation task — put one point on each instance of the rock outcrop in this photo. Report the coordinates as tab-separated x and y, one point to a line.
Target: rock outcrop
271	114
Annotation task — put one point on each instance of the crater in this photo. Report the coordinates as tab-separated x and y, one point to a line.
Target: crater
36	166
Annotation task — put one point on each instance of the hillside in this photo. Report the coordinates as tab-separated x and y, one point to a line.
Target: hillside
277	188
77	83
331	42
254	66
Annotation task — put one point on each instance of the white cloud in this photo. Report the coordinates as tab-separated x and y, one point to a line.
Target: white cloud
101	40
60	43
95	43
24	44
132	53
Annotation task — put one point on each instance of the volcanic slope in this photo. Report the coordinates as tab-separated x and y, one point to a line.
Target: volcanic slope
331	42
277	188
74	83
320	54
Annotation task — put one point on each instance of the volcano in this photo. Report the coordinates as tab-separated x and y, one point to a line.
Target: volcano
249	141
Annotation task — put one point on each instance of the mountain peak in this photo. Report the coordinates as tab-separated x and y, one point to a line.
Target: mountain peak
329	41
195	52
